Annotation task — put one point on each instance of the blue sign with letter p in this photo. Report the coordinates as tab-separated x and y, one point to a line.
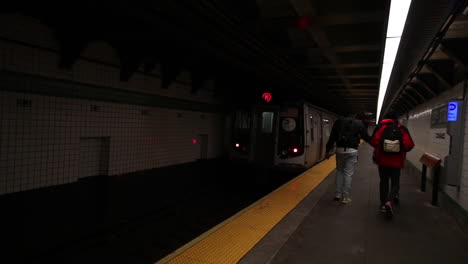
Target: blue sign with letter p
452	111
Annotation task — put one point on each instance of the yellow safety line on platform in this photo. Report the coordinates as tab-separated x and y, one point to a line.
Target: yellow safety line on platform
229	241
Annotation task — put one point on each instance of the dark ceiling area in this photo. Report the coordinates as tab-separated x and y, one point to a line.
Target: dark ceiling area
326	52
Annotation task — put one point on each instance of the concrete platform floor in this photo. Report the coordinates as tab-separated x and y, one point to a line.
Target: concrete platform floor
320	230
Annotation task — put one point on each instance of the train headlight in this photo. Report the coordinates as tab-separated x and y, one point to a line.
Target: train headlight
240	147
290	152
294	151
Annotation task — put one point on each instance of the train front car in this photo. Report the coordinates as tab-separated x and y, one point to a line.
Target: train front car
239	127
303	132
291	144
253	133
292	135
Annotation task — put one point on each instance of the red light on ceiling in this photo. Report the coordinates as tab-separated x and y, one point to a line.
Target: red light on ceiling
303	22
267	97
194	141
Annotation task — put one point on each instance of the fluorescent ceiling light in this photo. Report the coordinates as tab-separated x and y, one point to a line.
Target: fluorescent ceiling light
391	48
397	18
396	23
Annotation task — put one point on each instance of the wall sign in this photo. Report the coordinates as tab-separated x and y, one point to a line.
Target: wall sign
452	111
439	117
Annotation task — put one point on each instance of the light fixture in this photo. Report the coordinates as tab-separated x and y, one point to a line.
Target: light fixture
396	23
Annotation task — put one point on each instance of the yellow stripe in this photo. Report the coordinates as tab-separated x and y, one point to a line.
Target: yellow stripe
229	241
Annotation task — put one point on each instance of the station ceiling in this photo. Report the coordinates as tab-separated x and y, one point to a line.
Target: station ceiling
325	52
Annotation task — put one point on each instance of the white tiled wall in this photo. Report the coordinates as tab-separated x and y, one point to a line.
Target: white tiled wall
462	194
419	125
45	143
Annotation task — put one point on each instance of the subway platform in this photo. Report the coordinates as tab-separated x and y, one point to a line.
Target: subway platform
320	230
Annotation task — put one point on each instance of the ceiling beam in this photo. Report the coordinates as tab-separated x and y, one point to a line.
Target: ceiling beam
438	76
355	84
355	90
348	76
352	18
404	100
400	108
339	49
406	94
369	100
453	57
457	30
412	88
346	65
305	8
327	20
364	95
439	55
425	86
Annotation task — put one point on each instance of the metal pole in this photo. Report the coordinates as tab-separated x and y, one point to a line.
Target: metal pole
423	178
435	187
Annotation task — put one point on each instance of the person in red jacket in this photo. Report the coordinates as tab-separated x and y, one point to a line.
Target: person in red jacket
391	141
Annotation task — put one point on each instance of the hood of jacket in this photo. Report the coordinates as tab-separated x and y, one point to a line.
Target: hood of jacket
388	121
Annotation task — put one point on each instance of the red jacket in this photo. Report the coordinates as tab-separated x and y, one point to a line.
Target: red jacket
390	160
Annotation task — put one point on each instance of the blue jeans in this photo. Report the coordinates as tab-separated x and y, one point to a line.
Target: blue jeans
345	163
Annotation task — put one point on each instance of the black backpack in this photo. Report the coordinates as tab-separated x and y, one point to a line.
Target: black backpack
346	133
392	139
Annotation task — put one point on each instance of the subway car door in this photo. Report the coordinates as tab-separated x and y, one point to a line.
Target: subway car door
321	144
312	133
265	135
325	135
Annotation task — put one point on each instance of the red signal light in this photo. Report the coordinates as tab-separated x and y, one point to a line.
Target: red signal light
267	97
194	141
303	22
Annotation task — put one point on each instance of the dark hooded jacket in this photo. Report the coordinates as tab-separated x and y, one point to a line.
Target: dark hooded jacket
358	132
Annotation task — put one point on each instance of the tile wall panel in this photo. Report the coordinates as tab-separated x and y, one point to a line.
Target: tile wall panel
424	136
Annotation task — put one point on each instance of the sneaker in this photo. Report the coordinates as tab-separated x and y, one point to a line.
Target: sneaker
337	197
389	209
346	200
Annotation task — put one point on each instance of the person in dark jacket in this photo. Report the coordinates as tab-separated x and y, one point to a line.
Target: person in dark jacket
390	164
347	134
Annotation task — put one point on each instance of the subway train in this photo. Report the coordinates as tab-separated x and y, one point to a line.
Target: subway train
290	135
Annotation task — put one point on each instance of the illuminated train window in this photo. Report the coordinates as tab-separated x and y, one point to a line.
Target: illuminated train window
267	122
242	120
